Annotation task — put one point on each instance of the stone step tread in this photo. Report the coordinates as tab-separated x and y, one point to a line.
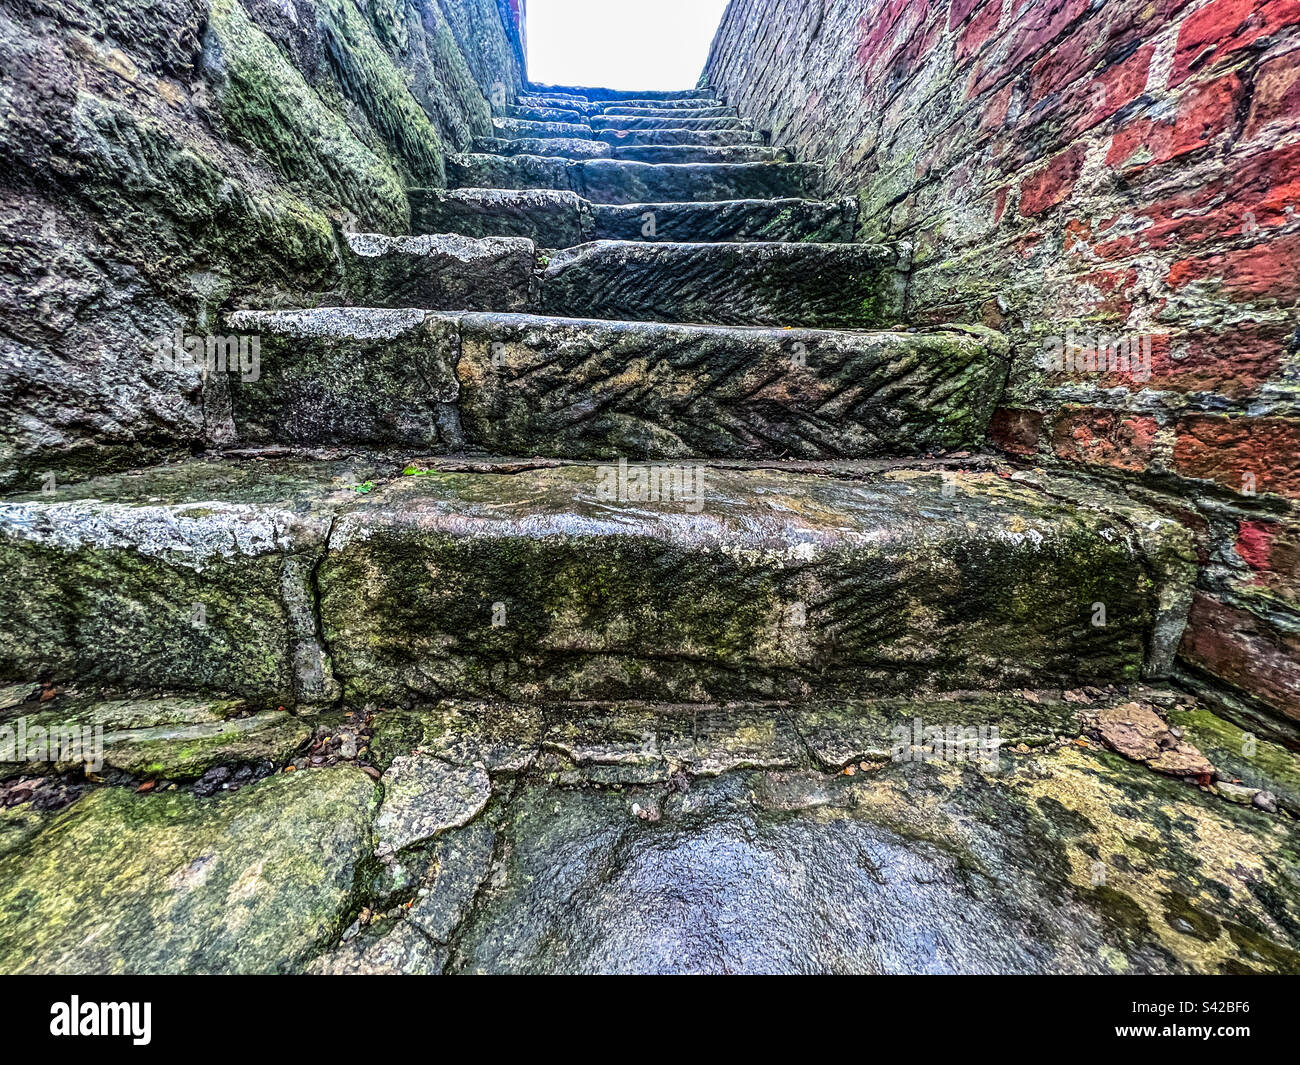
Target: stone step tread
695	582
660	133
597	94
849	286
668	112
581	388
606	122
568	148
561	219
758	283
623	181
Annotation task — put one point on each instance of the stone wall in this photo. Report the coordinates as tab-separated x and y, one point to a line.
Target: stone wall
1118	176
170	159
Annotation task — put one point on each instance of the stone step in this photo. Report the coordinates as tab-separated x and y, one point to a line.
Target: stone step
733	221
561	219
689	583
832	286
545	114
671	113
564	147
622	181
613	96
702	137
517	128
599	122
615	107
558	103
654	153
837	286
441	272
565	388
703	153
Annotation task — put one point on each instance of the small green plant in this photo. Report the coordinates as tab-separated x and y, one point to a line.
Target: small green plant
364	489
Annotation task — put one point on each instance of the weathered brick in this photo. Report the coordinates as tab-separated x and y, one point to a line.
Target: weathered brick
1104	438
1272	551
979	30
1052	184
1224	27
1016	431
1240	452
1267	270
1276	95
1204	113
1246	651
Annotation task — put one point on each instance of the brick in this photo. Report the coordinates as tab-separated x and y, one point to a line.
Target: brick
1276	96
1053	184
979	30
1270	269
1225	449
1246	651
1272	551
1105	438
1224	27
1260	190
1042	23
1016	431
958	11
1204	113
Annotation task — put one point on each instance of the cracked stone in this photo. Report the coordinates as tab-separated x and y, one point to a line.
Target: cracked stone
424	796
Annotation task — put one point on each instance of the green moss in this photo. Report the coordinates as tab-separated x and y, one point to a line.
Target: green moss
269	107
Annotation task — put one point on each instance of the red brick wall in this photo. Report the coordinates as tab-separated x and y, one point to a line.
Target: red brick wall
1067	168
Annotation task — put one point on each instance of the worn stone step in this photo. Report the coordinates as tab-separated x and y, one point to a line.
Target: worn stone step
703	153
848	286
564	388
852	286
703	137
614	107
624	181
600	582
441	272
558	103
683	583
564	147
604	95
545	114
736	221
602	122
549	217
561	219
670	112
517	128
666	153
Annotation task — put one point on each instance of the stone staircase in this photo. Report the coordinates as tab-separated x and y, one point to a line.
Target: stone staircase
562	597
742	477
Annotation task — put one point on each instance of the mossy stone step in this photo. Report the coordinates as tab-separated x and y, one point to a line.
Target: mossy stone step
620	181
626	122
706	582
519	384
836	286
561	219
703	138
695	582
670	112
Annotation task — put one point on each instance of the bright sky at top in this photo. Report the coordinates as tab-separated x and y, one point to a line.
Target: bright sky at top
621	44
